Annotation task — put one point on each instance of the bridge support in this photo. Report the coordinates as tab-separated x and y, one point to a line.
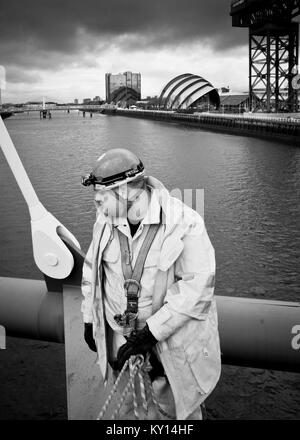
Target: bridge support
273	51
44	113
273	58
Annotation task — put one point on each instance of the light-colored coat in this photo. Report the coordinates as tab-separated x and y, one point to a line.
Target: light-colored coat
184	318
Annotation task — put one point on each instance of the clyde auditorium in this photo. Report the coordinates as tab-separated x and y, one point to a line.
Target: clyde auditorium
188	91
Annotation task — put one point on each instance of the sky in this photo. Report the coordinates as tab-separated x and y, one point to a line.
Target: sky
61	49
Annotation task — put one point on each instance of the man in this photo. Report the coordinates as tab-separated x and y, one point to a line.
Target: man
148	286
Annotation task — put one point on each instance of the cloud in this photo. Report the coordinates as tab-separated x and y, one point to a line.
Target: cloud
68	45
16	75
72	27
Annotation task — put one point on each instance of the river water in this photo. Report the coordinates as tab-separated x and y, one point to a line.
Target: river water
251	205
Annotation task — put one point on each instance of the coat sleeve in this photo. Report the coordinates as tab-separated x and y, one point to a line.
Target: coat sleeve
190	297
86	283
86	286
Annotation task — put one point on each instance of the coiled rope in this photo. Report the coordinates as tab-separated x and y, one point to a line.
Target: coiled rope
137	366
135	363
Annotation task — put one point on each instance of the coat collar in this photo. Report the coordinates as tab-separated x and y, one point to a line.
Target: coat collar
172	208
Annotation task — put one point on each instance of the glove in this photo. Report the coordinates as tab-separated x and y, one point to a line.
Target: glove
157	367
139	342
88	336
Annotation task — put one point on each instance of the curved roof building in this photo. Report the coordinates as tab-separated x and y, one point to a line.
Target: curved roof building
186	91
124	94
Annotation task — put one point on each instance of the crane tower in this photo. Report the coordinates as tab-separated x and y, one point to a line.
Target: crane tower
273	51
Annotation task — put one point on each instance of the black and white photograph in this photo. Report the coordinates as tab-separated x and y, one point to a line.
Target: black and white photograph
150	213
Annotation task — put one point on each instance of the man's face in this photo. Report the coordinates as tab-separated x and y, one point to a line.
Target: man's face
110	204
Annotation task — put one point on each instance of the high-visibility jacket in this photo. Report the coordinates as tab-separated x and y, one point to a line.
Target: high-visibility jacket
184	319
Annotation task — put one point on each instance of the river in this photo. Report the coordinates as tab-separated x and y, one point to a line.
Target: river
251	206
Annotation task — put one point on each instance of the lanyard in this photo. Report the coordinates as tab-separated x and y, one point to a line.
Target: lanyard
133	276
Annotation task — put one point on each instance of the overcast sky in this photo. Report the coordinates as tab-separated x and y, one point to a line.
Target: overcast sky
61	49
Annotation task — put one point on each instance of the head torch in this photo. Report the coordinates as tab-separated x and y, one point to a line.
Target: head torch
88	180
111	181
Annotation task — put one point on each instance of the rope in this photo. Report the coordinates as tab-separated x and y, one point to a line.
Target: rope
114	389
122	398
126	390
143	392
132	375
136	363
137	366
155	402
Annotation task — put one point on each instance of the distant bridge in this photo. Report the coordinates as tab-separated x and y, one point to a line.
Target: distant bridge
54	107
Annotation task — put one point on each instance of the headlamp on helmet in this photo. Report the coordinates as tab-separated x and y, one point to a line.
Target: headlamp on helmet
114	168
88	180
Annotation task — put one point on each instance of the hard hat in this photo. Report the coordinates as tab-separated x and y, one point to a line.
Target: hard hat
114	168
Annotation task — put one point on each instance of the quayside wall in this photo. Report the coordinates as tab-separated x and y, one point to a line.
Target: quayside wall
278	127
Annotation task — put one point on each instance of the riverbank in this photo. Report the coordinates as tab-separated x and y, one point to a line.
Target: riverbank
285	128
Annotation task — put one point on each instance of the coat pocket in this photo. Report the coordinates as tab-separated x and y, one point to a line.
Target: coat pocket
170	251
187	393
204	360
152	258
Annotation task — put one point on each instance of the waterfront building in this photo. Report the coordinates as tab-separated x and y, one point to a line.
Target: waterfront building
97	100
189	92
76	101
123	89
144	104
234	102
150	103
